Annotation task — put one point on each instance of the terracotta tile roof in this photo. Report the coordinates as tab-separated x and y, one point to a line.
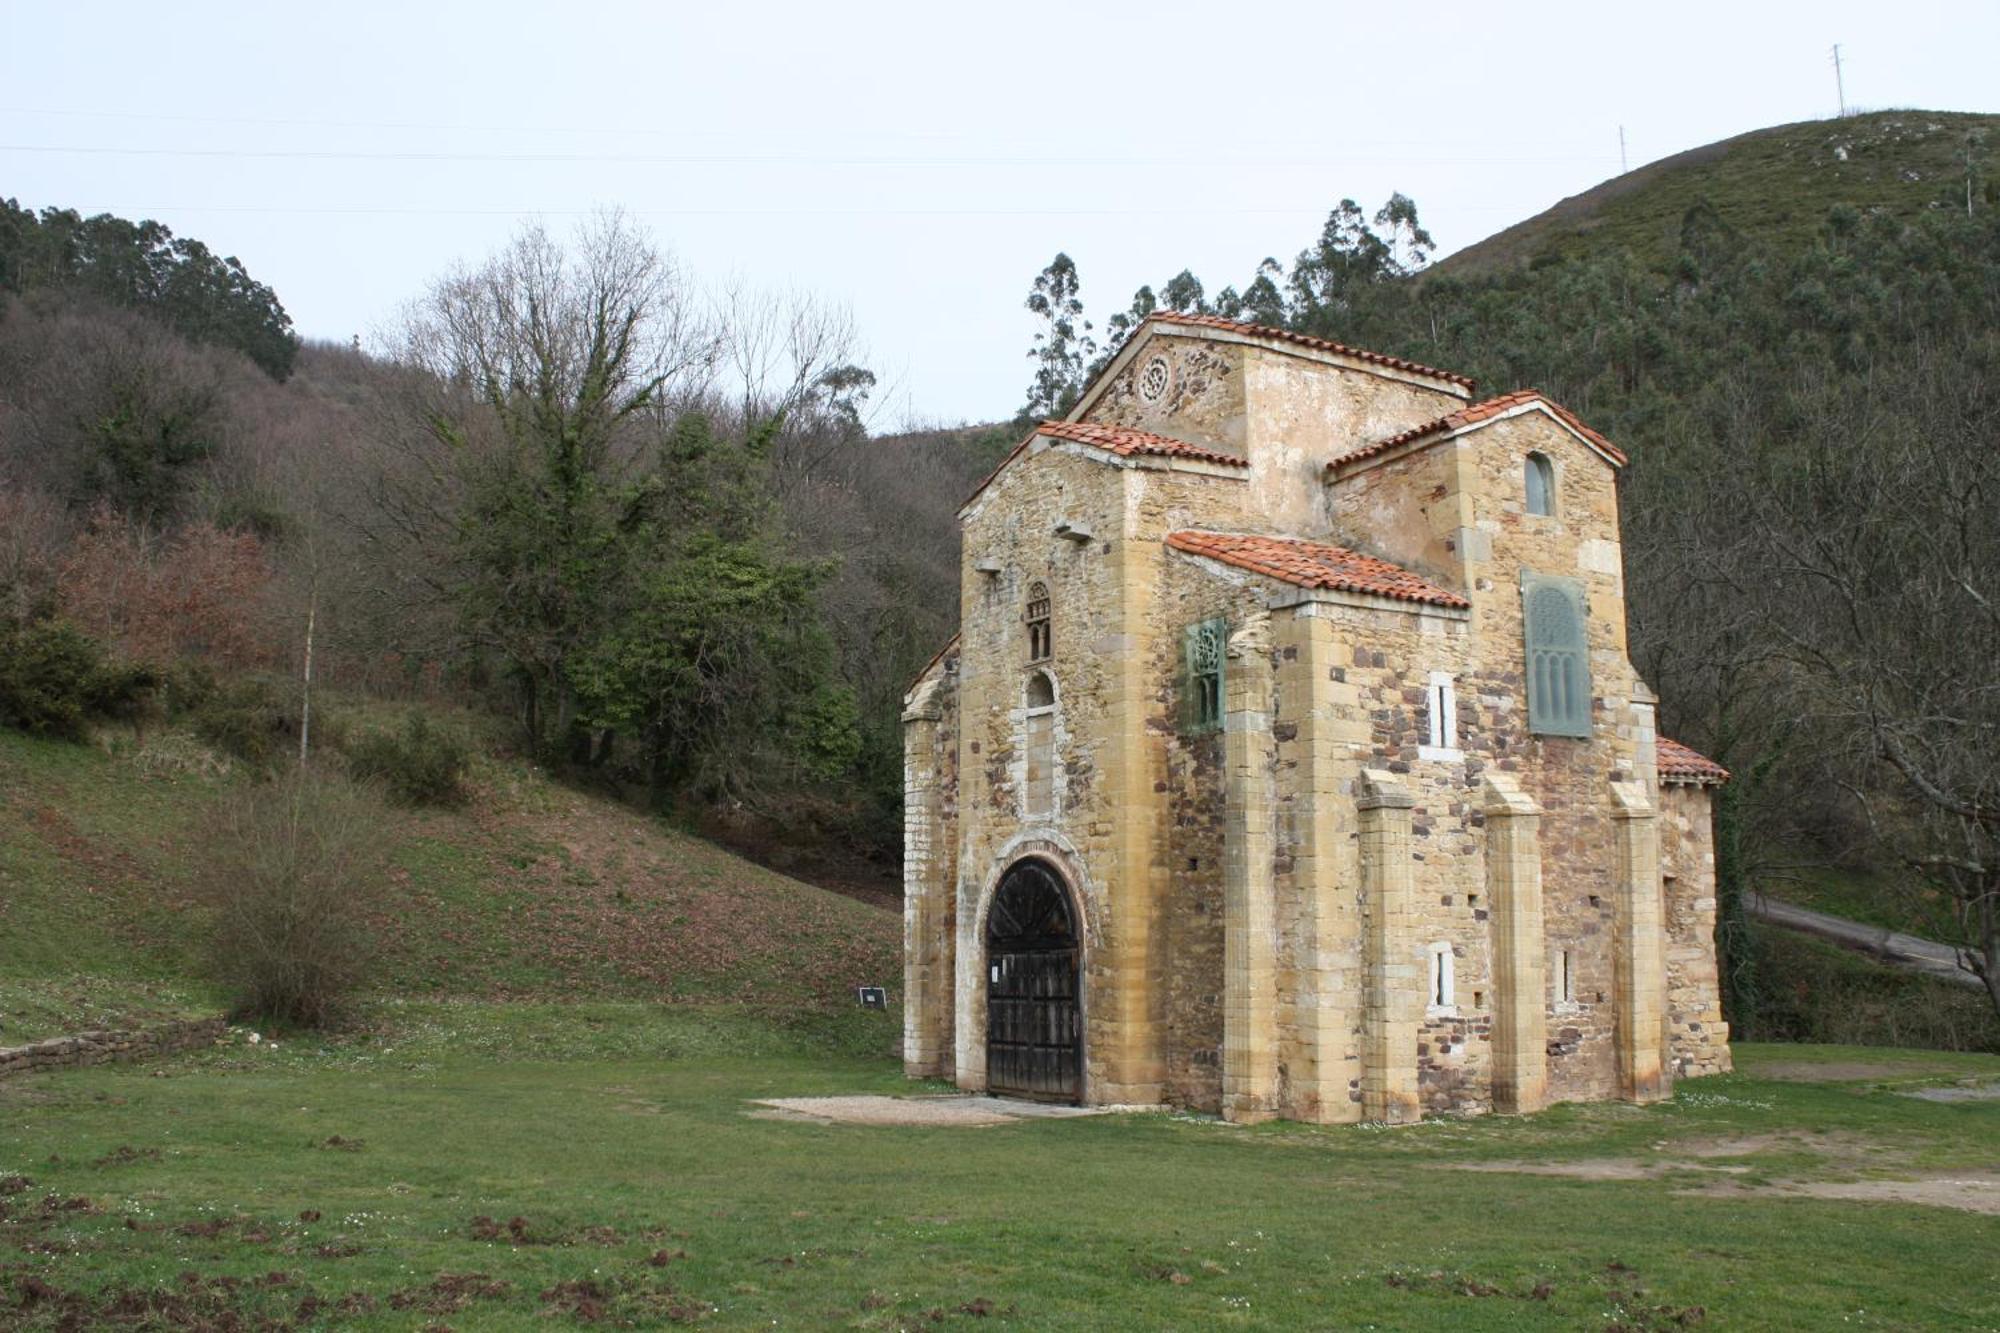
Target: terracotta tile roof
1475	413
1125	442
1314	565
1120	440
1307	340
1677	763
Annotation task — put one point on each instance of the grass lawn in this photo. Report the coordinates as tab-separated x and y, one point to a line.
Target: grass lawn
596	1162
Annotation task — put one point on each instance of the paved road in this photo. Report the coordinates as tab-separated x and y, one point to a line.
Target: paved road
1888	946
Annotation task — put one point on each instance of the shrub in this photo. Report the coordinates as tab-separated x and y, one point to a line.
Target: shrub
292	880
245	718
54	678
421	764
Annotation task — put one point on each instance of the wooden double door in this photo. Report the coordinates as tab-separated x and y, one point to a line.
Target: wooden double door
1034	1002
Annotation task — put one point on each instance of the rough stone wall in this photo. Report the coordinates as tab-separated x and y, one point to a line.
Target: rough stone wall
1196	792
1569	779
101	1047
1697	1036
1305	413
1376	691
1107	830
1203	397
1407	510
930	867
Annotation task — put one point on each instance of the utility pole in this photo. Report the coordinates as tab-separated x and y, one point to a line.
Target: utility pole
1839	87
1623	166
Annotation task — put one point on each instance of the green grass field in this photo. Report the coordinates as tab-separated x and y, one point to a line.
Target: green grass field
363	1182
544	1112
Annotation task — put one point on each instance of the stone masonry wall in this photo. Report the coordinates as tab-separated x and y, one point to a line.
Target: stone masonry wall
1195	789
930	867
1697	1037
1304	414
1202	400
1107	828
105	1047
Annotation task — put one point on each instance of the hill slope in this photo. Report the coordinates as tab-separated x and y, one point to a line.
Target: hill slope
531	890
1777	183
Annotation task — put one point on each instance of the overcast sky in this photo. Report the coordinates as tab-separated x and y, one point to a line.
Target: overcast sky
918	163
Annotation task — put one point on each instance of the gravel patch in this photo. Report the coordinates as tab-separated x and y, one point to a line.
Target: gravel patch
967	1111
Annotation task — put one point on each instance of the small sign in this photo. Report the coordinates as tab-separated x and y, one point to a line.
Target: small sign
872	997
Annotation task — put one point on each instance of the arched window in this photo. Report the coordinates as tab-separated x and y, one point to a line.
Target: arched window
1040	644
1038	781
1541	484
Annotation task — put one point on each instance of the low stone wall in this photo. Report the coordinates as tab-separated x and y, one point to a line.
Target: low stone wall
97	1048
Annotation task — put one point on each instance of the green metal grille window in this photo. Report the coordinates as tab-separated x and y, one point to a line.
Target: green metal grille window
1558	656
1207	647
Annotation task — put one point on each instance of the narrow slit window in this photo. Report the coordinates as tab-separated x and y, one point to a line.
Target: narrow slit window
1540	480
1441	717
1566	977
1040	642
1442	980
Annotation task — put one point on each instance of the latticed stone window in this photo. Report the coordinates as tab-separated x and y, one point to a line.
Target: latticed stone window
1558	656
1040	644
1207	647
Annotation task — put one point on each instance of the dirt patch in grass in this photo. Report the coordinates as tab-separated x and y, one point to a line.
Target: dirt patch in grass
1963	1092
1586	1168
1975	1192
1849	1071
1840	1151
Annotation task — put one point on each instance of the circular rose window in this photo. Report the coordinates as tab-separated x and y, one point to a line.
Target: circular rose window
1153	380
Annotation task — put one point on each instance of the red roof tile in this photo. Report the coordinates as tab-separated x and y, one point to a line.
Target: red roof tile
1677	763
1125	442
1475	413
1120	440
1314	565
1307	340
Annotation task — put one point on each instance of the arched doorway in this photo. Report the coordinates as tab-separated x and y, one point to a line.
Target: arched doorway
1034	1020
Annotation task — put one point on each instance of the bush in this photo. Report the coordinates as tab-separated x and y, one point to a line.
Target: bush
292	880
54	679
245	718
422	764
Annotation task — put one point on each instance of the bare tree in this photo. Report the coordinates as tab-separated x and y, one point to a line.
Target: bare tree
1885	595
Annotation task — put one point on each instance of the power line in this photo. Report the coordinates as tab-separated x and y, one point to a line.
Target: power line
620	131
760	159
1839	85
1311	211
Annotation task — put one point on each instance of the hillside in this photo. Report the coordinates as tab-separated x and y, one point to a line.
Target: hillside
531	890
1776	183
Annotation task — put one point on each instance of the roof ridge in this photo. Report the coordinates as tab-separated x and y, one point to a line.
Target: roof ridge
1472	414
1128	440
1316	343
1125	441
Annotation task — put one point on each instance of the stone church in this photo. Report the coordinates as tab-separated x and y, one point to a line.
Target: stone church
1290	763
